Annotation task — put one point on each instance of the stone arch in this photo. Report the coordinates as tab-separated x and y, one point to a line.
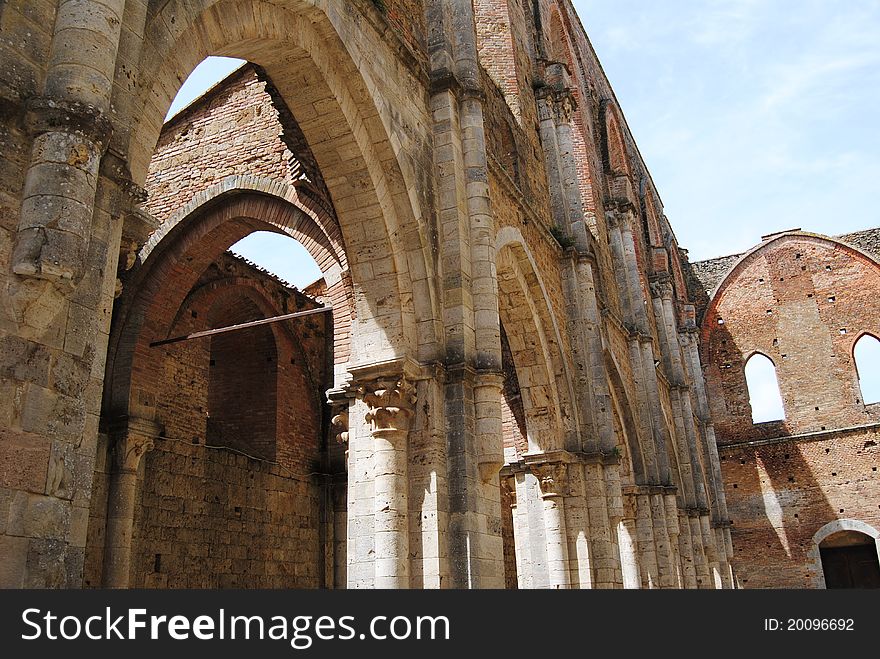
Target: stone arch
535	344
347	117
832	528
614	151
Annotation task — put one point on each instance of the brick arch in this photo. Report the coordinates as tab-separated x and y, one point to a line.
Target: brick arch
710	319
314	226
158	286
828	286
747	258
535	345
614	151
341	106
211	293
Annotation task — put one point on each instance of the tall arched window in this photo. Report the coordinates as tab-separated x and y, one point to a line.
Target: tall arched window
867	358
764	396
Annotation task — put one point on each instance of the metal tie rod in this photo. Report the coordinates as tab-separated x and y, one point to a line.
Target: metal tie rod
241	326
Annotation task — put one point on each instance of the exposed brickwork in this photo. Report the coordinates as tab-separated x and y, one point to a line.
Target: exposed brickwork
802	300
241	127
215	517
779	495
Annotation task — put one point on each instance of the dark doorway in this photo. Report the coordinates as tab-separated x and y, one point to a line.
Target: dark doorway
849	560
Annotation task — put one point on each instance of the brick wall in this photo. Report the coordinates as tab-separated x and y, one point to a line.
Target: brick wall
779	495
209	516
802	300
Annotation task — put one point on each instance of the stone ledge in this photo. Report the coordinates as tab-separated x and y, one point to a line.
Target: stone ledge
814	436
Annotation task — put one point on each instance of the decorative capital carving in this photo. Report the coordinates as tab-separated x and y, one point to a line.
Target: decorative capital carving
662	288
132	439
508	489
552	478
564	106
129	450
391	402
340	422
545	108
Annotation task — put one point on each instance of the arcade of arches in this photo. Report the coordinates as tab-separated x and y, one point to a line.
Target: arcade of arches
498	380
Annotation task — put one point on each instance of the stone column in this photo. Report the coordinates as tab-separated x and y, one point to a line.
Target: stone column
390	405
577	524
71	132
686	551
670	501
629	563
603	506
702	567
689	340
509	494
650	569
131	440
337	529
552	480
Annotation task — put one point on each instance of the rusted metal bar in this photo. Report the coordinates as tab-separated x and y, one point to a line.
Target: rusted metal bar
240	326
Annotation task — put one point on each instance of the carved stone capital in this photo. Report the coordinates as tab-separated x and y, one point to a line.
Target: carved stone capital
391	402
340	423
551	477
47	115
508	489
546	111
132	439
564	106
662	288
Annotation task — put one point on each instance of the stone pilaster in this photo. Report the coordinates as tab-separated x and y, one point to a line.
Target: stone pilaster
131	439
629	562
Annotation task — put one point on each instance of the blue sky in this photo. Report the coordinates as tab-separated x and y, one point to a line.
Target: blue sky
753	116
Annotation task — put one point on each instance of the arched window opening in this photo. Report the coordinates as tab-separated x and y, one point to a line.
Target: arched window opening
281	255
849	560
764	395
867	358
229	251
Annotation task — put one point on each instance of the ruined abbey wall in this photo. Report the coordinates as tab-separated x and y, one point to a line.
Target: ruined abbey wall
803	301
459	171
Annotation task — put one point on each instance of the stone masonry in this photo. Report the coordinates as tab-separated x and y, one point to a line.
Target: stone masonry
507	389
